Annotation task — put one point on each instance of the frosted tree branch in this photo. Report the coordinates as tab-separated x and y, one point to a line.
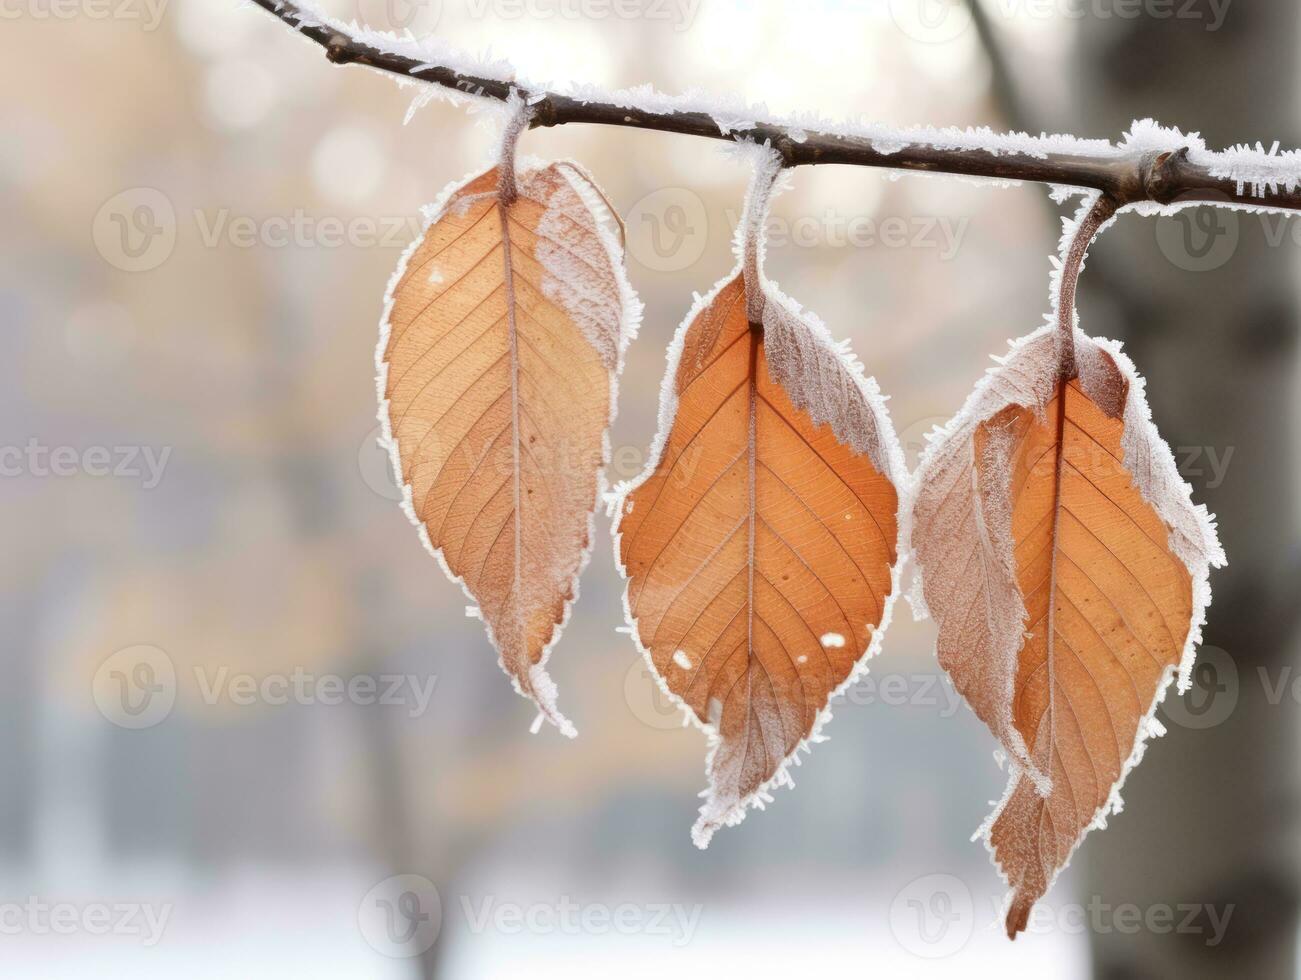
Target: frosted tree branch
1162	176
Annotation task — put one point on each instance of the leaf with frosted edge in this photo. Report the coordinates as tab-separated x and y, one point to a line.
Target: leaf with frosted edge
761	545
1067	569
502	341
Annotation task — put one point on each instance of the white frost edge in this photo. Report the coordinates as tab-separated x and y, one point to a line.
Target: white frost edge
1140	430
545	691
977	408
703	831
1198	556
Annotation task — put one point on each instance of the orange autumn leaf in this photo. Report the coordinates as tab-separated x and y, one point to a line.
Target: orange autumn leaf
761	545
503	337
1067	569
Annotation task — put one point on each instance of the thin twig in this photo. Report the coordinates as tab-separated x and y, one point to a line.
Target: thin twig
1164	178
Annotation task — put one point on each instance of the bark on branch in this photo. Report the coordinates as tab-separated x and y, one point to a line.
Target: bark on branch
1164	178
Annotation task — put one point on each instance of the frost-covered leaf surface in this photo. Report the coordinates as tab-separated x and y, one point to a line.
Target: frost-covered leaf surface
1067	570
761	547
502	340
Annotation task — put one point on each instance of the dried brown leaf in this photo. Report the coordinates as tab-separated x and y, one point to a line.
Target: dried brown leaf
502	340
1067	569
761	545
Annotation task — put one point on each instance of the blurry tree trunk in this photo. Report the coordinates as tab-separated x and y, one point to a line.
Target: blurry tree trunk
1213	817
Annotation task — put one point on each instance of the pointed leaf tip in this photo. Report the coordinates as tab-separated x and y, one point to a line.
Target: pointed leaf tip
504	303
768	522
1090	569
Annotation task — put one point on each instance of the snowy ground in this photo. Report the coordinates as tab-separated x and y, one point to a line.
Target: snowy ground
283	924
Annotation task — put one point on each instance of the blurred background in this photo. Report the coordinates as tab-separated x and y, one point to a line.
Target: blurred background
246	728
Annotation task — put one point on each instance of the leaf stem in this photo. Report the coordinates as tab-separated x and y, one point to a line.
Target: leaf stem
519	120
1099	213
758	202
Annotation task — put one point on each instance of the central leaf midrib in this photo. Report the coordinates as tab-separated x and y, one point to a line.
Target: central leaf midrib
1059	452
756	335
503	209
